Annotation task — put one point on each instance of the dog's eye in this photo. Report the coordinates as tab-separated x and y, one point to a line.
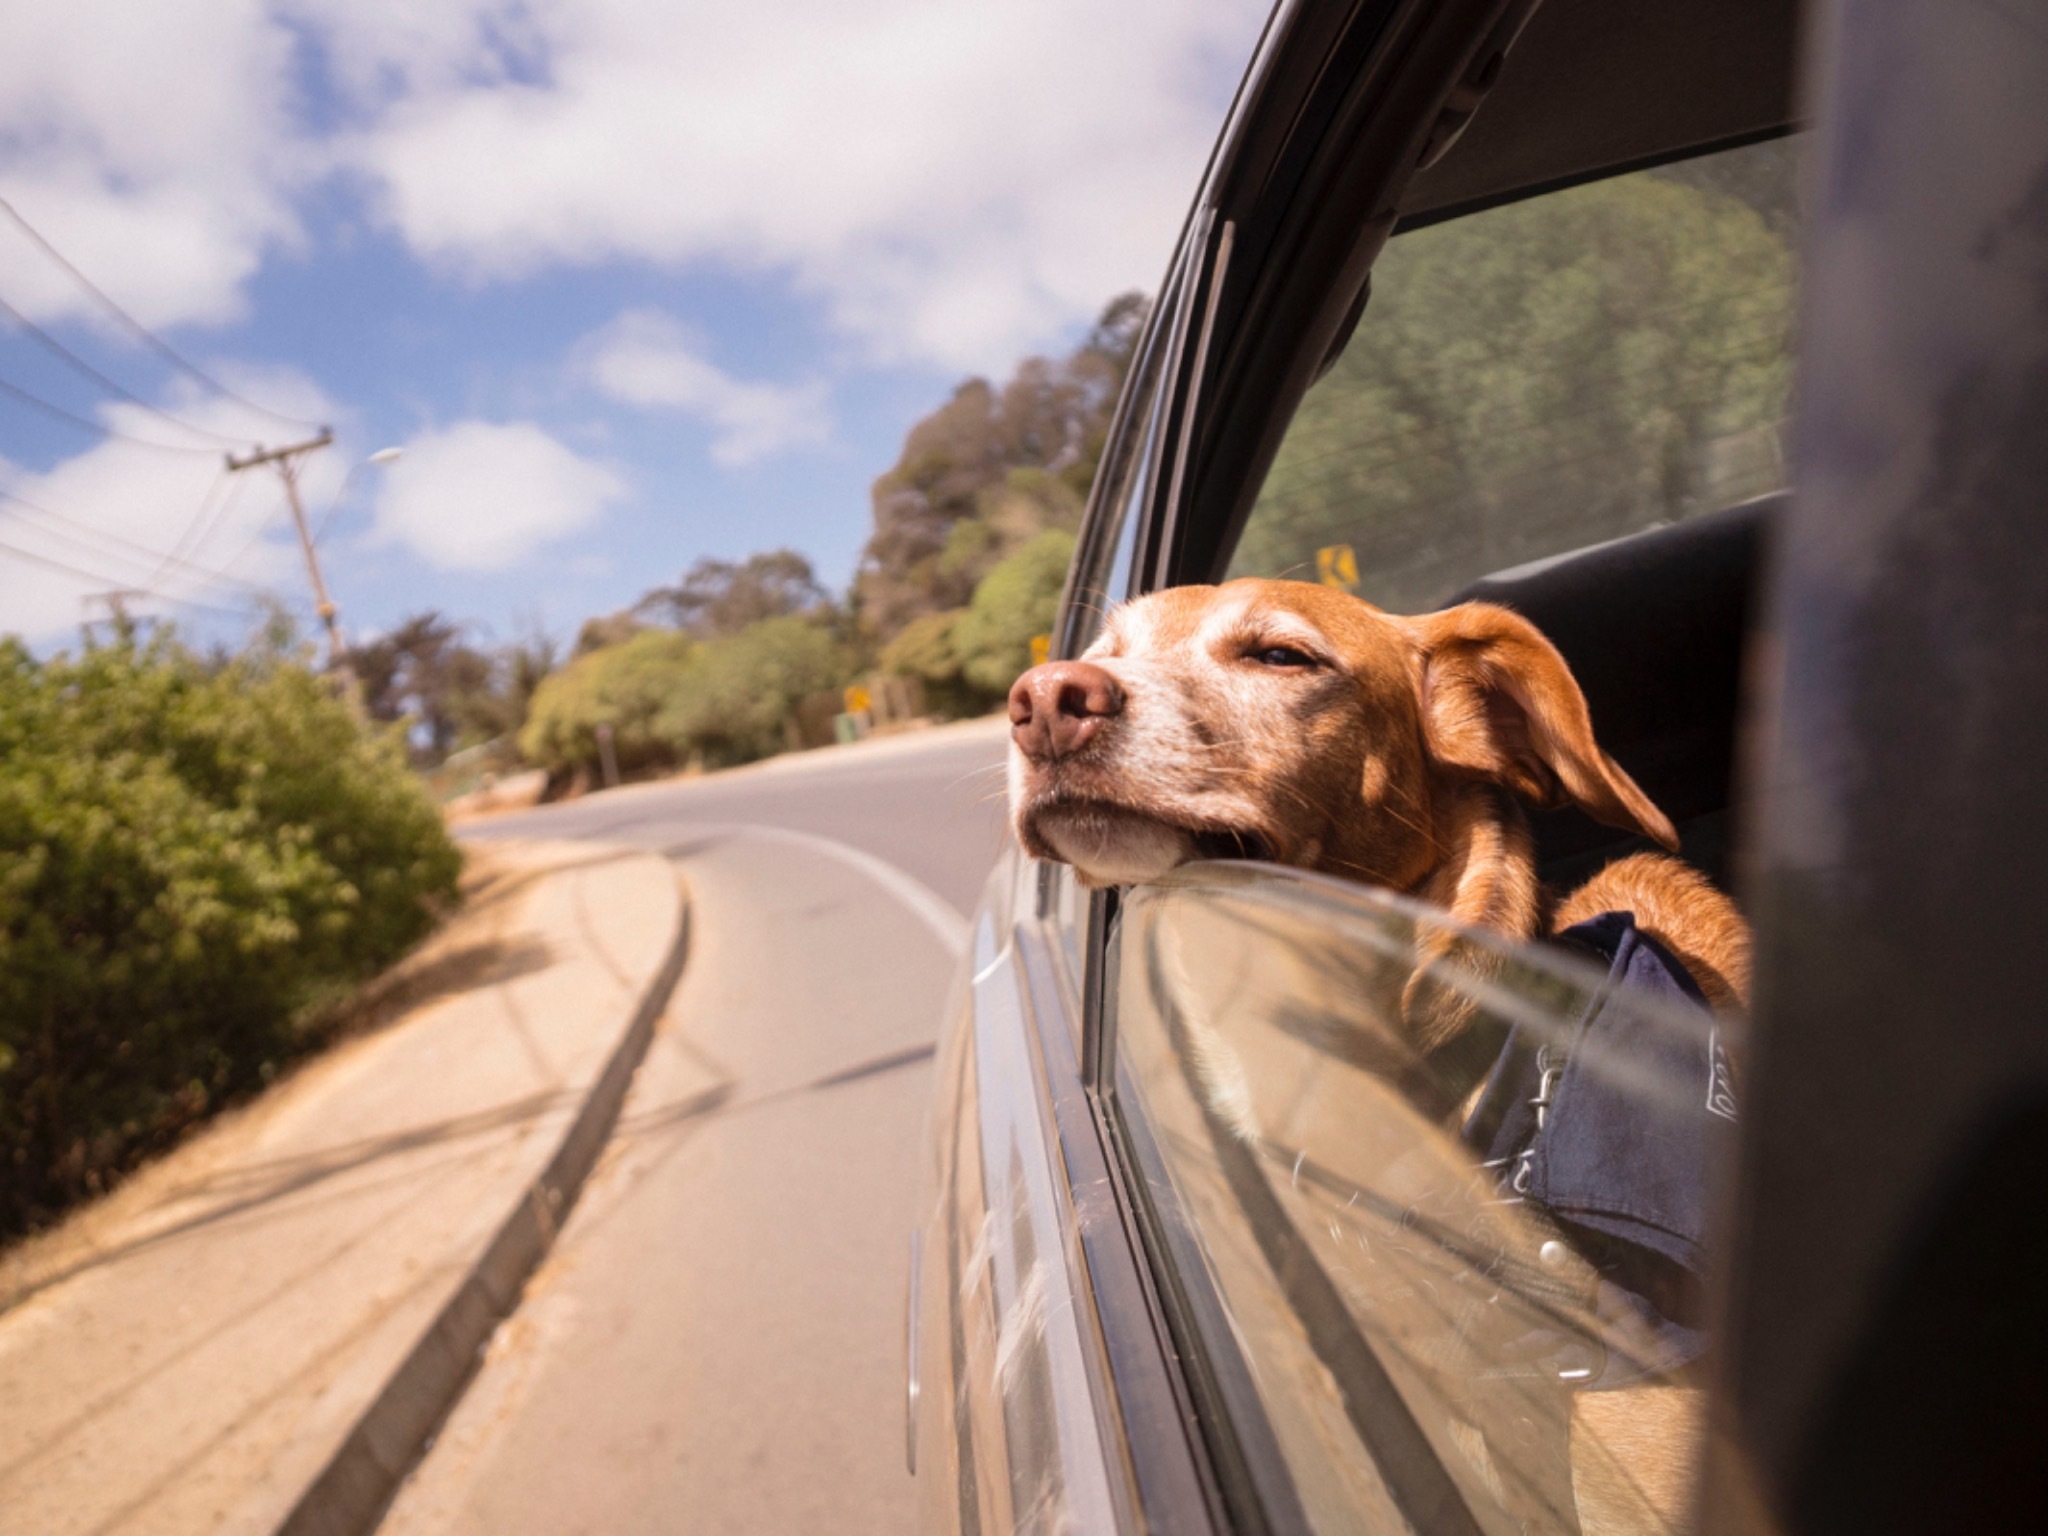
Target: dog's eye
1281	656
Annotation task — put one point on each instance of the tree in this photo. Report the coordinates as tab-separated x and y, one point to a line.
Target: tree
924	649
419	671
450	693
631	687
606	629
496	706
718	597
669	698
947	458
734	700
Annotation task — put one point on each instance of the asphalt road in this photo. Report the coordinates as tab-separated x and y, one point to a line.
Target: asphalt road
715	1344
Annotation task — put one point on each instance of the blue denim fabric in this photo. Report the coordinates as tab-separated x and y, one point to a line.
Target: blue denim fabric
1618	1133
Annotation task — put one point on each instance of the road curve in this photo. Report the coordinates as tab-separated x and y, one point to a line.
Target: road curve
716	1344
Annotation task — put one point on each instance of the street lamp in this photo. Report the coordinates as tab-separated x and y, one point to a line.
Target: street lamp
380	458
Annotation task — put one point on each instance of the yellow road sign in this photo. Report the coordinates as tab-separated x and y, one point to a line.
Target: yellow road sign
1337	566
1041	648
858	700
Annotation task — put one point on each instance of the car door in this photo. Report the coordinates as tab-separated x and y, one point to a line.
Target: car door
1554	403
1150	1291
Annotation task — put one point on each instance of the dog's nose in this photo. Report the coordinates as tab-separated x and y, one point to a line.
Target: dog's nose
1055	708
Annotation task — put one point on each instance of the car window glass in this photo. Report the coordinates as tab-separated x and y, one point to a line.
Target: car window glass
1541	377
1383	1142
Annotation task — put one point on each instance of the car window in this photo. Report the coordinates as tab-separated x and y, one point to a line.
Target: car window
1412	1298
1541	377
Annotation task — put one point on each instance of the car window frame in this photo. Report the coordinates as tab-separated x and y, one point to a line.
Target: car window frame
1122	538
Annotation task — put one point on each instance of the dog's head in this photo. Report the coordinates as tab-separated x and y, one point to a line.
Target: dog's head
1284	721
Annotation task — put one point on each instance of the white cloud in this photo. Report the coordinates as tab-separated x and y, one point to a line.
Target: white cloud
482	496
119	513
644	358
954	182
153	145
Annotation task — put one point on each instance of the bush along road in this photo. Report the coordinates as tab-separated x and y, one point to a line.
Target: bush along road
203	858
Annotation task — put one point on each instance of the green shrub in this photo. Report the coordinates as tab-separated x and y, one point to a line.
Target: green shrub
924	649
669	698
632	686
193	861
732	706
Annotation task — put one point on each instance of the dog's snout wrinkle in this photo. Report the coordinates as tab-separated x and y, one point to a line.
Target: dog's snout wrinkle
1055	708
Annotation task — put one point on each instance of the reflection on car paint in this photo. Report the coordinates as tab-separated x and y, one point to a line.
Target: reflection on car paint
1029	1457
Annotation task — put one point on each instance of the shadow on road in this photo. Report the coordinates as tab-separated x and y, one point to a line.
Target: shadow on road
248	1189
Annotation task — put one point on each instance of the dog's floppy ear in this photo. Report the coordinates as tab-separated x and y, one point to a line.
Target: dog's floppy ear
1499	703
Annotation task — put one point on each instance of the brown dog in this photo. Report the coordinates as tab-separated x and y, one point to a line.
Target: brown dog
1288	722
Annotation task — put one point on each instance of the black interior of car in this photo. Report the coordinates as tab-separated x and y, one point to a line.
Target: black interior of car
1654	627
1592	87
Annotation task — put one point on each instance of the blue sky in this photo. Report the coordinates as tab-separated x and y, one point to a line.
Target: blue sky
630	282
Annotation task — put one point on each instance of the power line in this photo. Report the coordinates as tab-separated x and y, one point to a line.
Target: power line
111	385
199	527
94	576
234	561
186	568
97	428
140	331
334	506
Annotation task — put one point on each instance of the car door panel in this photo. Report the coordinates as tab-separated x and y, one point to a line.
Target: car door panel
1025	1445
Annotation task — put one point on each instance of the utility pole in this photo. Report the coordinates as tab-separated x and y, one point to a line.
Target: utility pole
288	470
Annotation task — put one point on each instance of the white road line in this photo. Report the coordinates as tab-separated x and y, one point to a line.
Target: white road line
930	907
